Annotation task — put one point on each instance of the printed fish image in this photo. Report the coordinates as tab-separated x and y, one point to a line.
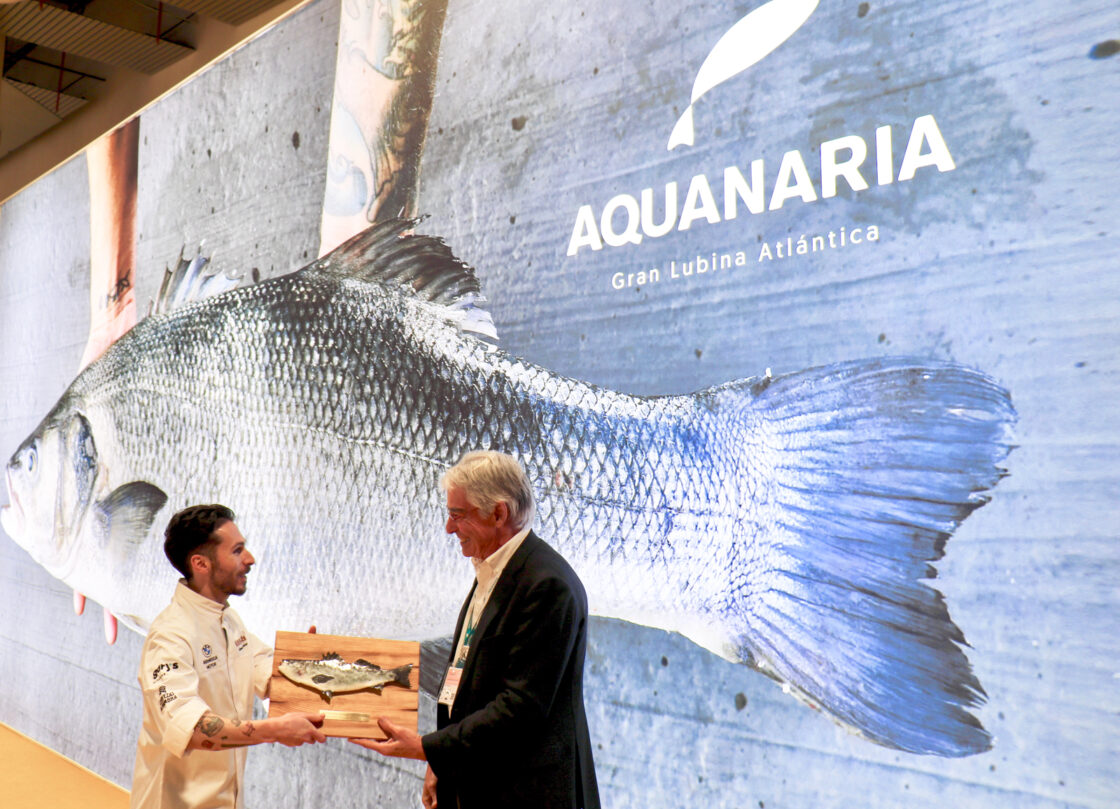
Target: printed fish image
788	523
744	44
332	675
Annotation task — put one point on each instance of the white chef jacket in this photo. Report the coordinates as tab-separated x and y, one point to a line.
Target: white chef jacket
198	656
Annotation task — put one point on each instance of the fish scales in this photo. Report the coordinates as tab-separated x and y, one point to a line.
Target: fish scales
302	413
332	675
787	523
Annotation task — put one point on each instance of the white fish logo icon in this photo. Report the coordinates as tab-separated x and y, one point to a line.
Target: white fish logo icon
745	43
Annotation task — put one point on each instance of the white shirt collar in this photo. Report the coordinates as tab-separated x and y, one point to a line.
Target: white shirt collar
488	569
188	597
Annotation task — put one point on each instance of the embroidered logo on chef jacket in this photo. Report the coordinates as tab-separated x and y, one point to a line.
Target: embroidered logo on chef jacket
166	696
241	643
209	658
162	669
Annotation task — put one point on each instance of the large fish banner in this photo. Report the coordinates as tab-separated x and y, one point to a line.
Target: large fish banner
802	317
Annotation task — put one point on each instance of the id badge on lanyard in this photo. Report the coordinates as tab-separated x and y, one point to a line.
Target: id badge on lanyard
451	682
455	671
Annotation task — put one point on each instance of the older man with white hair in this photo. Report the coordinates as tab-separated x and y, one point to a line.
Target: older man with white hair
511	728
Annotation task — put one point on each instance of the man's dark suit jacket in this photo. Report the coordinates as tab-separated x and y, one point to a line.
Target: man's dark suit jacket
517	734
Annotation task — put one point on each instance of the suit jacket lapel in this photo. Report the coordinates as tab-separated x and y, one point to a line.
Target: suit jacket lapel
499	598
459	624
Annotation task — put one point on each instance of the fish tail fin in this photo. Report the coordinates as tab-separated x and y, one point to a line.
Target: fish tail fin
401	675
861	472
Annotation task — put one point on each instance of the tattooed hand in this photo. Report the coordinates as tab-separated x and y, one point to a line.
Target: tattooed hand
213	732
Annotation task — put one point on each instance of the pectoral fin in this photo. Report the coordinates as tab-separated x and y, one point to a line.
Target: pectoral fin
122	520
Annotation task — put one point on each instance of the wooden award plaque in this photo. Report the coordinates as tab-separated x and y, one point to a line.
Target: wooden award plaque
352	714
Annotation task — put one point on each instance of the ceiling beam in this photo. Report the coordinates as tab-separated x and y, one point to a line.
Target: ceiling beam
58	103
64	31
233	12
126	94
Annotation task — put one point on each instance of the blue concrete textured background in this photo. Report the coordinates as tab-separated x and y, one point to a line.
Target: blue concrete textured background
1006	263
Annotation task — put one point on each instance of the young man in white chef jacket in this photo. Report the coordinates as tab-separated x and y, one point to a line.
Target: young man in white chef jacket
199	671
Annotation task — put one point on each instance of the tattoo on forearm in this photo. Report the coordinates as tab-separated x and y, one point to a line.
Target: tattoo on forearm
400	41
384	34
250	729
209	724
120	288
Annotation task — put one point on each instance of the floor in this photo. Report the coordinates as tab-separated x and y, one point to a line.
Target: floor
32	775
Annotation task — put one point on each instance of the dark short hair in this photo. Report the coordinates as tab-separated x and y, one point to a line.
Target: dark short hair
190	530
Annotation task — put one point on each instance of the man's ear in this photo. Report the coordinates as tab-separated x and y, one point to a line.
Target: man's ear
501	513
199	564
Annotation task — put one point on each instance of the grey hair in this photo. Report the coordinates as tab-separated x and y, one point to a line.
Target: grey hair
488	478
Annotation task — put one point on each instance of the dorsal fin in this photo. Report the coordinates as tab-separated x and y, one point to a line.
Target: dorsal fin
331	656
419	265
190	281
